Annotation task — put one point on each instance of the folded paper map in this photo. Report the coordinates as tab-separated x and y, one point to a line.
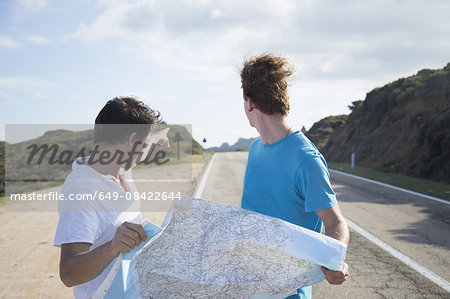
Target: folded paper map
206	249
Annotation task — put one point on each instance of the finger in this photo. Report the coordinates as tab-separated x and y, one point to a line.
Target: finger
328	273
138	229
126	232
336	274
336	281
128	240
123	247
133	235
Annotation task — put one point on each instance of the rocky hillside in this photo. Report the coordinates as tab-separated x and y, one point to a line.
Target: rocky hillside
241	145
322	130
403	126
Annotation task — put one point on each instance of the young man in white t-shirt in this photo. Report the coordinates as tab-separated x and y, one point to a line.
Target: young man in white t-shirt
93	233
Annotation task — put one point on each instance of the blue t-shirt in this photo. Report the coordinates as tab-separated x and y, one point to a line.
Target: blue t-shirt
288	180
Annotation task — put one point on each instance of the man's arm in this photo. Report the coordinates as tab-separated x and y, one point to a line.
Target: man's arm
335	227
79	265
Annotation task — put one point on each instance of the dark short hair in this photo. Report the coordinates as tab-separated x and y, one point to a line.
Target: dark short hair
122	116
264	81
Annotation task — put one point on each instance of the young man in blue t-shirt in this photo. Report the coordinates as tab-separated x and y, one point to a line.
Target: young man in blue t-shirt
286	176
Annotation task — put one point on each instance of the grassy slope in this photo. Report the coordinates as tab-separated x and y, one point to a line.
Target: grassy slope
433	188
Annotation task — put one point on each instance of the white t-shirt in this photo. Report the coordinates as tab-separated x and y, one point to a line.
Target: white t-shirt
96	221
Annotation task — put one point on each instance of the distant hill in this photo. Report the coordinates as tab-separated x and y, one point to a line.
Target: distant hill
241	145
80	143
403	126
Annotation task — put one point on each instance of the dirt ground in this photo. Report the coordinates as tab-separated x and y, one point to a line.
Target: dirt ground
29	262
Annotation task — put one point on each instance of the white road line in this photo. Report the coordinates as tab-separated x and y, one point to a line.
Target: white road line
400	256
394	252
392	187
201	186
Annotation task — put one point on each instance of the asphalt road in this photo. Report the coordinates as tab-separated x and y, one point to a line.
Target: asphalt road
417	227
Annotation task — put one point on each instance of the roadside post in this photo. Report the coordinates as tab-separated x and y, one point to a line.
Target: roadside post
204	147
353	158
177	139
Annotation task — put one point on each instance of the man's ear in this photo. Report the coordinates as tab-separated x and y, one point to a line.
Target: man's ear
250	104
131	140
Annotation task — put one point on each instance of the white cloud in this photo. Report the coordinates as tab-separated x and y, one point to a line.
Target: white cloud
25	87
33	4
201	40
341	49
38	40
344	39
111	23
6	98
211	103
7	42
28	82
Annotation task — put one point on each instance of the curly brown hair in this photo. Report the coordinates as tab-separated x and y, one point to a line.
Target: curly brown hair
264	81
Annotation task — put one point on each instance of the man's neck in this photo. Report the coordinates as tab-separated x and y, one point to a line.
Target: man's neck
273	128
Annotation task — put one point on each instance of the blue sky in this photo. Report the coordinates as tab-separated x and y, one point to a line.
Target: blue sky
60	61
